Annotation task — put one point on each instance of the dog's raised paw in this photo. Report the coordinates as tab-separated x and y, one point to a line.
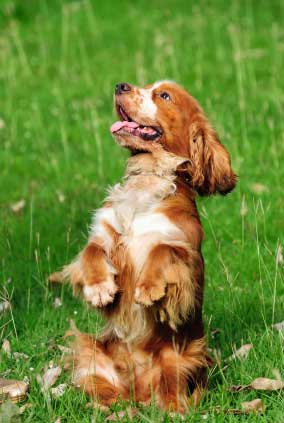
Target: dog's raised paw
100	294
147	294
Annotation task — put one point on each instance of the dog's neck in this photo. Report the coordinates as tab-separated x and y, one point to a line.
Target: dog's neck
162	164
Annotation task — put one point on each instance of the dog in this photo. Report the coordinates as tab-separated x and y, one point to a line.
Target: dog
142	265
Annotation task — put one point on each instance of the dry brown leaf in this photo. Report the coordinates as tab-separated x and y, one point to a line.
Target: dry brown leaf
58	420
254	405
50	377
241	353
265	384
238	388
59	390
20	355
6	347
258	188
18	206
16	390
4	306
259	384
279	326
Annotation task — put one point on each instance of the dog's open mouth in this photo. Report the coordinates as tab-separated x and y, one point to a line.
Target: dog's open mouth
126	124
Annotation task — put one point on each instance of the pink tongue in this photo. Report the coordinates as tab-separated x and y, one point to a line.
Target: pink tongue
117	126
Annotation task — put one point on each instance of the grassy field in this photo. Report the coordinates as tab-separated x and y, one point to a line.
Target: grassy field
59	62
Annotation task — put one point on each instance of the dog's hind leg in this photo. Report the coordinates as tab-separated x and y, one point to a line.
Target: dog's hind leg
183	376
94	370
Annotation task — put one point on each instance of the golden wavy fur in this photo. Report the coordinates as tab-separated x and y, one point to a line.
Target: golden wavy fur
142	265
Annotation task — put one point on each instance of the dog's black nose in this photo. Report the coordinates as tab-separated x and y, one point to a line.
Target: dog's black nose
122	87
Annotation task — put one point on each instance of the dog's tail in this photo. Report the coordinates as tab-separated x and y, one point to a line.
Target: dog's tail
70	273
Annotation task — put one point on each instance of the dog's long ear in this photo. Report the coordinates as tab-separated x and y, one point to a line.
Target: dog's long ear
209	166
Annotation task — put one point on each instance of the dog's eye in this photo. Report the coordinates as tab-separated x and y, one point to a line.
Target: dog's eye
165	96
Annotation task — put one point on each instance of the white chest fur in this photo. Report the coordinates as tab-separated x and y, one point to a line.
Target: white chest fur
134	204
138	199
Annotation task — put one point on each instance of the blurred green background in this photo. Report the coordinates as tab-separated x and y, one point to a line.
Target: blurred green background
60	61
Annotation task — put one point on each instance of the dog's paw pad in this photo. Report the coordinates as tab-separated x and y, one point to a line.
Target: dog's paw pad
100	294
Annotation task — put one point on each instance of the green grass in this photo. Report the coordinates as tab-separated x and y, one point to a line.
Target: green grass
59	62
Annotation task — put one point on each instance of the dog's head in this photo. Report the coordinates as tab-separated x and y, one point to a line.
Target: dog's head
164	116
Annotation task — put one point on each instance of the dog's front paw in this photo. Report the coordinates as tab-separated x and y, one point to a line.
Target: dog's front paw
146	293
100	294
